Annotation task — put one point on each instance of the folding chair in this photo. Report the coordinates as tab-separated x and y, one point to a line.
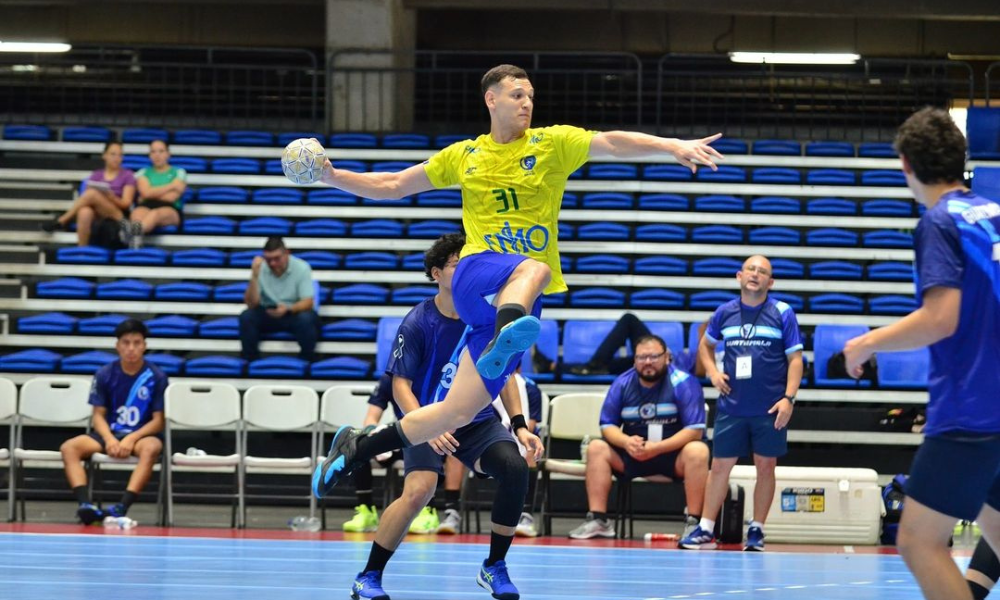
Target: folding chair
8	413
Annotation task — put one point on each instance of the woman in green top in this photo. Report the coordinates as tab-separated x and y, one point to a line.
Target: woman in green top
160	189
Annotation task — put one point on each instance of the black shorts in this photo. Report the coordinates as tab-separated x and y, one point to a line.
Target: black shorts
956	474
152	204
663	464
97	438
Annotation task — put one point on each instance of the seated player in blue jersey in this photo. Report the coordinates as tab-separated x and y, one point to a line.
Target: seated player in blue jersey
127	396
956	472
425	357
512	181
762	371
652	422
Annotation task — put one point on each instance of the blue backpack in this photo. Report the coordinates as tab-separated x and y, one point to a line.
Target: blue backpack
893	497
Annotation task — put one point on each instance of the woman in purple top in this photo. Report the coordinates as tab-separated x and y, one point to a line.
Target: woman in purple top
108	194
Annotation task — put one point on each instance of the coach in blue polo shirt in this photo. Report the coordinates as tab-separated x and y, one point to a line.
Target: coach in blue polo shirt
762	370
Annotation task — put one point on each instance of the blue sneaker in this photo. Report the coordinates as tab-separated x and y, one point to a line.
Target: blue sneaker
496	580
118	510
368	586
515	337
89	513
338	463
755	540
699	539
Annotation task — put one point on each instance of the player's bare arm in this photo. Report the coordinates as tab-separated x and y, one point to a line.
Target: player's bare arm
378	186
633	144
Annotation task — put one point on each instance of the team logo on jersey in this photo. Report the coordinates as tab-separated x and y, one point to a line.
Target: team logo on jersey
470	170
143	393
747	331
400	342
647	411
471	149
528	163
536	138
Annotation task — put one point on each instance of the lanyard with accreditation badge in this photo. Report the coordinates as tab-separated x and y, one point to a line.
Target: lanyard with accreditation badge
744	364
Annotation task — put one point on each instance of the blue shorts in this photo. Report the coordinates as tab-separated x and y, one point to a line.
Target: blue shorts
473	439
118	435
477	279
664	464
955	475
740	436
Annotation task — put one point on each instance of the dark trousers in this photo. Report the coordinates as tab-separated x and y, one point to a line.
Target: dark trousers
303	326
628	328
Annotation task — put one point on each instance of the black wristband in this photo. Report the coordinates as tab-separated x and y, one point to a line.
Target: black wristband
517	423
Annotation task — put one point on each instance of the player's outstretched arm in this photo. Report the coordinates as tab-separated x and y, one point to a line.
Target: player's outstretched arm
378	186
633	144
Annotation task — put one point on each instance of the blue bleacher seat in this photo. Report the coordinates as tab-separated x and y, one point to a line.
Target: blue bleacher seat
716	266
230	292
658	232
663	202
836	303
265	226
410	296
986	183
360	293
199	257
320	259
406	141
440	198
554	300
385	337
215	366
135	162
580	339
779	175
885	238
100	325
730	146
606	200
340	367
321	228
694	339
224	194
168	363
443	141
776	204
27	132
827	341
883	177
50	323
350	165
710	300
612	171
182	291
835	269
141	256
667	173
717	234
191	164
787	268
124	289
31	361
277	196
65	287
660	265
83	255
413	262
719	203
273	167
432	228
386	261
566	264
983	129
908	369
349	330
213	225
86	134
602	263
775	235
725	174
565	231
657	298
277	366
377	228
243	258
353	140
391	166
603	231
548	344
287	138
892	305
224	327
777	148
829	149
831	236
597	297
670	332
569	200
86	362
890	271
796	301
172	326
881	207
876	150
829	177
330	197
831	206
249	138
144	135
206	137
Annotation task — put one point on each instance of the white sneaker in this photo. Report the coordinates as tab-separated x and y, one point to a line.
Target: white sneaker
690	524
451	523
592	528
526	526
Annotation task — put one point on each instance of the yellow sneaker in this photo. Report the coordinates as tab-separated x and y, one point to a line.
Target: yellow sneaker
365	520
426	522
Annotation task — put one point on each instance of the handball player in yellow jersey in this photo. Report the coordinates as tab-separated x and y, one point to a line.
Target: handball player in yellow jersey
512	182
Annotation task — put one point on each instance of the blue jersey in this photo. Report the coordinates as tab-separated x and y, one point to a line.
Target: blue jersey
382	394
957	246
758	340
130	400
534	400
676	403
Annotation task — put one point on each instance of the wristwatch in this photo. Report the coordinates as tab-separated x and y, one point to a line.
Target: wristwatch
790	398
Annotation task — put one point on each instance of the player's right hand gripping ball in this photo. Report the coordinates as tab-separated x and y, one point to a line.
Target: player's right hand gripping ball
302	161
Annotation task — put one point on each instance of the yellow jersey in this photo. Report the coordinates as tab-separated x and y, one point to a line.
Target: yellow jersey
511	193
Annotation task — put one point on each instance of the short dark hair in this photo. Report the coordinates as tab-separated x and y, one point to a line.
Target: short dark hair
131	326
164	142
933	145
501	72
274	243
651	338
444	248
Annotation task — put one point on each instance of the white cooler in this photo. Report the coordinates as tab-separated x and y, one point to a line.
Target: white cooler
818	505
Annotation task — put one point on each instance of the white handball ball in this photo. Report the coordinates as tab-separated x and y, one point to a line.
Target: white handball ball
302	161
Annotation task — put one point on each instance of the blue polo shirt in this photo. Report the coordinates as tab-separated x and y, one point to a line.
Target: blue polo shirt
676	402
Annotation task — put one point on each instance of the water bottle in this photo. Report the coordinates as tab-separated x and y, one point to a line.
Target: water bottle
123	523
301	523
660	537
583	447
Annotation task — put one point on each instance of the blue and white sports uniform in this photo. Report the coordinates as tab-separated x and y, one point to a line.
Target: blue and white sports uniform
130	400
676	403
957	469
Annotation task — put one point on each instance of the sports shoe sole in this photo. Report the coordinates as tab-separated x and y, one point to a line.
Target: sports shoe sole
357	596
608	535
710	546
89	516
513	339
322	475
753	548
486	586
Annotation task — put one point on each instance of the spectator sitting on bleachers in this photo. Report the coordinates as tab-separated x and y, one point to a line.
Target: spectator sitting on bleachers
130	390
108	194
652	422
161	190
280	298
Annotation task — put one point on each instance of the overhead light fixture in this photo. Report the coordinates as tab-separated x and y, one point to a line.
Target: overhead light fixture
794	58
34	47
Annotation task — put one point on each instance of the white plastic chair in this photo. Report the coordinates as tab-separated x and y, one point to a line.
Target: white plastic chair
203	406
8	412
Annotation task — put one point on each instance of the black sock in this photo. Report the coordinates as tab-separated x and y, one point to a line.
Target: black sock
600	516
451	499
978	591
80	492
386	440
378	558
529	498
365	497
128	498
499	545
508	313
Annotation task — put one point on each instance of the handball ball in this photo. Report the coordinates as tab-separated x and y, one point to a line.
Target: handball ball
302	161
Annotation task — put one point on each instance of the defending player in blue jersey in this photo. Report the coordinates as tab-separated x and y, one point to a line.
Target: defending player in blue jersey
127	395
956	473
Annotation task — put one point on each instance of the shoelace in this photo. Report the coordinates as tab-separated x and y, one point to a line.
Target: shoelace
500	576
